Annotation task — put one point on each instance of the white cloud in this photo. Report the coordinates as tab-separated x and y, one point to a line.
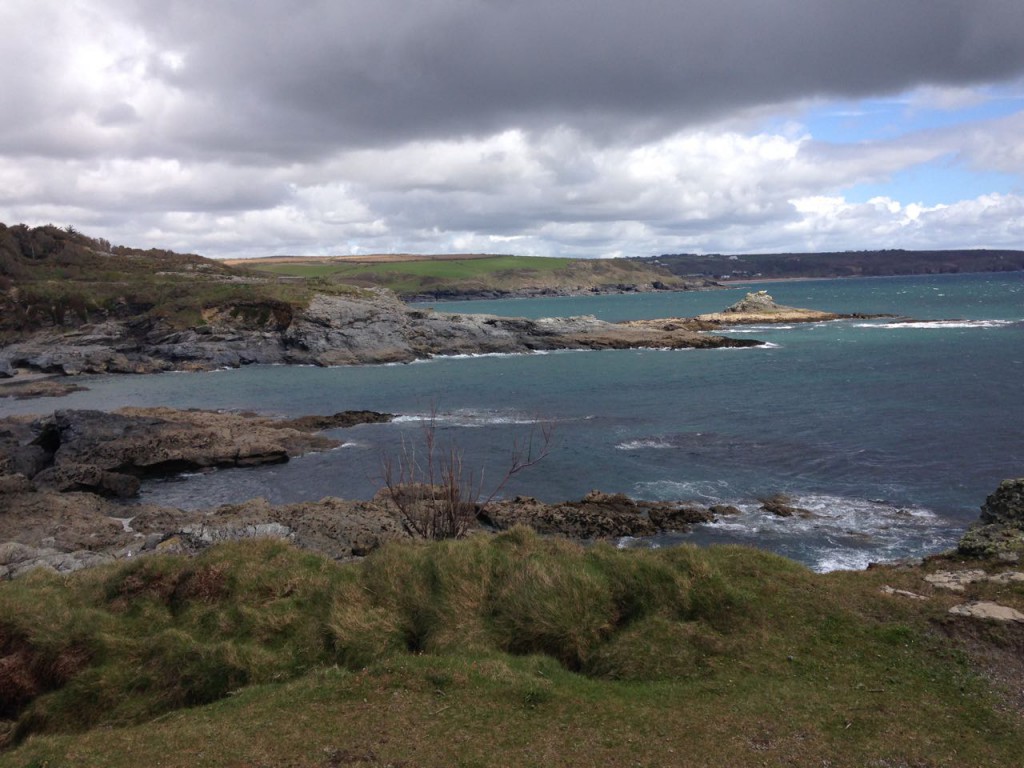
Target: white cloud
349	125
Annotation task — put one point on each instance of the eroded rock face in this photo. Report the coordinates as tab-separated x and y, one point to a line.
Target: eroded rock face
1000	532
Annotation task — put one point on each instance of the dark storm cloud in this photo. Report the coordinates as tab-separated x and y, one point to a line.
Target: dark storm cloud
306	77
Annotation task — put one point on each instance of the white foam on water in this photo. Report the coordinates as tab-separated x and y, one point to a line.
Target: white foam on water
654	443
757	329
939	324
471	418
838	533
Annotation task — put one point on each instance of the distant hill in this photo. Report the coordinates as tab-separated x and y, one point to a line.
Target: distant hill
837	263
53	277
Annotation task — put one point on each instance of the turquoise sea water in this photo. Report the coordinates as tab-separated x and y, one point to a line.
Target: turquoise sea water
891	433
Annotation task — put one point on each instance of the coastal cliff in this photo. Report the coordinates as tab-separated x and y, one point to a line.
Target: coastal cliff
367	327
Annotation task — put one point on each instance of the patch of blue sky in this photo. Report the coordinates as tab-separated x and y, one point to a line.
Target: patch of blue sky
943	181
850	122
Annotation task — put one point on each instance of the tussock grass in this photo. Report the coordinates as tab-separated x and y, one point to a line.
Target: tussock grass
503	650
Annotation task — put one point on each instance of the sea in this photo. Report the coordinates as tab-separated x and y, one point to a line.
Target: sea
889	432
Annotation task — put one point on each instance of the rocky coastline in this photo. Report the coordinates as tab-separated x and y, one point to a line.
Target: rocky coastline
64	479
363	328
547	292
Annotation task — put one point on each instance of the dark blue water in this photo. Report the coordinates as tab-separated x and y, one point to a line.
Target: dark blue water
891	433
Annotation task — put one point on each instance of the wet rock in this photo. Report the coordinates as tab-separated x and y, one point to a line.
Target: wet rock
670	518
719	510
342	419
782	506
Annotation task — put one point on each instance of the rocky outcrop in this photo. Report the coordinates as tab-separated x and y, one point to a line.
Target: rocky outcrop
1000	530
596	516
106	453
27	387
368	327
760	307
781	505
69	531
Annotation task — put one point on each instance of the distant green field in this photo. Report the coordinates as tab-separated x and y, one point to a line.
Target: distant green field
418	276
442	269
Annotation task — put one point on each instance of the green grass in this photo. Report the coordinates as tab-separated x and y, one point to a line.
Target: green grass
505	650
441	269
490	273
411	277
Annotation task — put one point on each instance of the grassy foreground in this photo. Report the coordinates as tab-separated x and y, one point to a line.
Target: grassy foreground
504	650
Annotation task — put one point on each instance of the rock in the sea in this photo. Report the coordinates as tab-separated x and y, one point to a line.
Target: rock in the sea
758	301
782	506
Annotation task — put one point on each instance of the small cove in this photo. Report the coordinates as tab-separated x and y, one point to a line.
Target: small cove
891	433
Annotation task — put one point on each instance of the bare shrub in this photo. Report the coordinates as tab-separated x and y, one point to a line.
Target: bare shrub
437	494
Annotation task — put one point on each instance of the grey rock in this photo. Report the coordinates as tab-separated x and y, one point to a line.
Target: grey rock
1006	505
87	477
1000	531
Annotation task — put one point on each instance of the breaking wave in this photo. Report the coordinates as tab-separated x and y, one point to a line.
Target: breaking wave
932	324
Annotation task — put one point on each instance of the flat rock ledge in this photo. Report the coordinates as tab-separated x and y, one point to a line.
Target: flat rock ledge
107	453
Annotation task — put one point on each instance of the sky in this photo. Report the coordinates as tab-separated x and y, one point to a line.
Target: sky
583	128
